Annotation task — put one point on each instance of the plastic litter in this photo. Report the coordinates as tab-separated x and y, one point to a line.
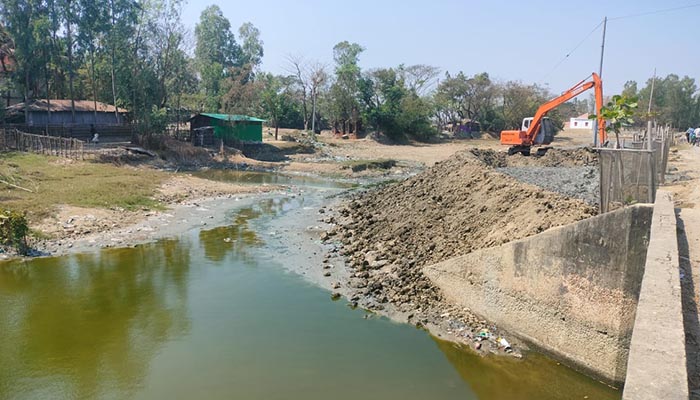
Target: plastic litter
504	343
484	334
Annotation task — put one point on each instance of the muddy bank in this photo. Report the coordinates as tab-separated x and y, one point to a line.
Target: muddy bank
459	205
189	202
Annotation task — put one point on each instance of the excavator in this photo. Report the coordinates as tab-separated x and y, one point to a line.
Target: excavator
539	130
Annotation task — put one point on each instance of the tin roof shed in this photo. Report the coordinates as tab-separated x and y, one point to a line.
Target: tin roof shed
230	127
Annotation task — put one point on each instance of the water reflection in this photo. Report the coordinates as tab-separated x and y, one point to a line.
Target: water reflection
266	178
239	238
82	325
537	377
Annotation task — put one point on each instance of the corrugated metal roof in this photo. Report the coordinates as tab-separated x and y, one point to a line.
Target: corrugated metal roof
231	117
65	105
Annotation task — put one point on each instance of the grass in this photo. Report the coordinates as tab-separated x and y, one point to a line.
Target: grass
54	181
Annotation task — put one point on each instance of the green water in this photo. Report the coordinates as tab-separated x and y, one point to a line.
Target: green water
215	315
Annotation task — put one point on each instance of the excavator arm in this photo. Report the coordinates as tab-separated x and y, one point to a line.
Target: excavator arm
526	139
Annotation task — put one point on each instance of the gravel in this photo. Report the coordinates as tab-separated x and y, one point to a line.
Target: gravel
577	182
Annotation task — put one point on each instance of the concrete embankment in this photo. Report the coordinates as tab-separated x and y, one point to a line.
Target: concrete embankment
571	291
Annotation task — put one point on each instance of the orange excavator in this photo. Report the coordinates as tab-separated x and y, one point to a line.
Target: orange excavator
538	130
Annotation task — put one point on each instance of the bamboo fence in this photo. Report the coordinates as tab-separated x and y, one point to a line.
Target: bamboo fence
13	139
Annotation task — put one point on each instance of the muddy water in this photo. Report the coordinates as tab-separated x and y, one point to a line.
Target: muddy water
215	315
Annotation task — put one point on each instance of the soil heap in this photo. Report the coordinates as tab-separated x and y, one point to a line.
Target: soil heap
457	206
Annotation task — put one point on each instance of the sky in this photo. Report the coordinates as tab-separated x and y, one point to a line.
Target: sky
511	40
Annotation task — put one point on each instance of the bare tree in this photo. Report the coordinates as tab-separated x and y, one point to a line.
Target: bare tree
298	67
317	77
419	78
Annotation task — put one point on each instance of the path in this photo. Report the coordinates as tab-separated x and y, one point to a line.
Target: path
687	197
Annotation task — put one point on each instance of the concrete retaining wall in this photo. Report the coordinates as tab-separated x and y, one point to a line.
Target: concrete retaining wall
572	290
657	360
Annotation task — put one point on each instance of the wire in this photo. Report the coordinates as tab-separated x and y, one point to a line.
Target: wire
655	12
572	50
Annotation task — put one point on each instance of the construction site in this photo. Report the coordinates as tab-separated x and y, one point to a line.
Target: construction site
301	209
484	242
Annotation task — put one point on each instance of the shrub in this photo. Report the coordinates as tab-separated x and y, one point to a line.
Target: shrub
13	230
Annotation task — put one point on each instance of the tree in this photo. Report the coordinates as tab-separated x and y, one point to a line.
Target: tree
520	101
392	107
617	113
6	54
418	78
317	77
275	98
21	21
345	89
297	66
240	95
674	103
251	45
216	51
92	25
630	89
308	79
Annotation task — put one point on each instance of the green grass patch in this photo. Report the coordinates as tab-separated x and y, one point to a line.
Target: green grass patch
53	181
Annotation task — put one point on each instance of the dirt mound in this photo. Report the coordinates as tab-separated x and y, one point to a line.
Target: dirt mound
582	156
455	207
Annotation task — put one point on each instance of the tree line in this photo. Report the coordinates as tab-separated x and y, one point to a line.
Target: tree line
138	55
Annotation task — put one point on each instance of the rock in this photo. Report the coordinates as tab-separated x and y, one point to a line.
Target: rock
378	264
327	273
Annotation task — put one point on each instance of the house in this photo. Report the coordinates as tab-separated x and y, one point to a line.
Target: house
87	112
206	127
580	122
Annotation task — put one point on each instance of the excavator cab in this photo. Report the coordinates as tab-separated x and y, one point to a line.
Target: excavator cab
545	135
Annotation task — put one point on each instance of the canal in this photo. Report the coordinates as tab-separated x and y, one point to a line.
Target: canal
215	314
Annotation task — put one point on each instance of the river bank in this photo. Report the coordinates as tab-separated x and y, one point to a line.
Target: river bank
205	199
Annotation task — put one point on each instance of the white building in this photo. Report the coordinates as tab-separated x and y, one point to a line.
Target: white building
581	122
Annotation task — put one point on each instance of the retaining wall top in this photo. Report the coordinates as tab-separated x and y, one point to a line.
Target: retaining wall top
656	367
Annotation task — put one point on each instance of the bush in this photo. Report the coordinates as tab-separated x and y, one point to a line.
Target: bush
13	230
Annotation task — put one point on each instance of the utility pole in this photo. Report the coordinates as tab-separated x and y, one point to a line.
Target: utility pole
600	74
602	48
651	97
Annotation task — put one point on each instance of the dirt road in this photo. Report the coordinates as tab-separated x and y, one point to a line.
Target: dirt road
687	197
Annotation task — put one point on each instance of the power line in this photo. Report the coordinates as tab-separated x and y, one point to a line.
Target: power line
572	50
655	12
615	19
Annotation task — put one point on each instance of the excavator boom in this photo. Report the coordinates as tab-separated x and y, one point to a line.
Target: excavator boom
521	140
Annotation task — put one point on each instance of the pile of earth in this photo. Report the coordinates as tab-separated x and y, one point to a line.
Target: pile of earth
462	204
571	172
575	157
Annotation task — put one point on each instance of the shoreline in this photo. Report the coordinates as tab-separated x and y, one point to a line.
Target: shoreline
321	262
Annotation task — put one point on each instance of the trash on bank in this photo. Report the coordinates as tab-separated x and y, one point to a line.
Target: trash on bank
504	343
